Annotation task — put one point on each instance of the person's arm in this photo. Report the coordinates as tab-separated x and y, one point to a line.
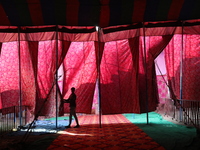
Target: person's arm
66	100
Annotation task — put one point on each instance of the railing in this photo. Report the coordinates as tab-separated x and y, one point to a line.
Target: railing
184	111
12	117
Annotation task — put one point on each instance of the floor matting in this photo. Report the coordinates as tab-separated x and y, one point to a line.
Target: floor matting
115	133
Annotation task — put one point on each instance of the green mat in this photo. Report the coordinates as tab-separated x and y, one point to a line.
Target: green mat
59	118
171	136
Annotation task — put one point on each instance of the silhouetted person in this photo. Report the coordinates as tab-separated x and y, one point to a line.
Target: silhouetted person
72	104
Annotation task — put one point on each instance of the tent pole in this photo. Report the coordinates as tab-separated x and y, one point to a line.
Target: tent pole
181	70
98	72
20	85
56	76
145	73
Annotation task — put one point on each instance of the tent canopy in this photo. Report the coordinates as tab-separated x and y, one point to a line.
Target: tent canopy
101	13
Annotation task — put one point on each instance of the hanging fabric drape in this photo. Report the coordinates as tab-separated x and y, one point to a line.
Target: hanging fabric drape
41	54
172	57
120	52
154	45
191	59
134	47
155	41
153	50
46	77
9	75
0	55
65	46
119	69
191	65
117	78
33	50
80	72
8	67
79	66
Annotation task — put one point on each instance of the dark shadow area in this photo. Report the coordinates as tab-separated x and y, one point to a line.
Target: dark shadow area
85	95
119	93
39	137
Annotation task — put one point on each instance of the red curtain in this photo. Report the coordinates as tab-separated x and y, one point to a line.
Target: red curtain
9	68
117	78
28	89
143	86
46	77
173	58
154	46
127	80
36	72
134	44
147	87
189	54
80	71
191	67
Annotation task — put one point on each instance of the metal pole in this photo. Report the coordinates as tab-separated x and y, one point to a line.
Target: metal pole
145	62
20	86
181	72
98	74
56	80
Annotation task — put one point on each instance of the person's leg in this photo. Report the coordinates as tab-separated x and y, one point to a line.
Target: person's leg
75	117
70	118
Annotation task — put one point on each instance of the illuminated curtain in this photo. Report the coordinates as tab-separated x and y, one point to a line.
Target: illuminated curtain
9	69
117	78
123	69
173	59
125	84
80	71
79	66
154	46
187	47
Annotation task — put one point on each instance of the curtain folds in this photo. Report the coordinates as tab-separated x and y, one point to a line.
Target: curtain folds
190	66
126	81
80	72
117	78
154	46
9	68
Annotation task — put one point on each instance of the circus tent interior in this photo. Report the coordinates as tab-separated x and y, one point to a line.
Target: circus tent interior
121	57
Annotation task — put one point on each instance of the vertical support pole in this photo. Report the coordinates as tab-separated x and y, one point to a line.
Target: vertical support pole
20	86
14	116
181	72
56	80
98	75
145	62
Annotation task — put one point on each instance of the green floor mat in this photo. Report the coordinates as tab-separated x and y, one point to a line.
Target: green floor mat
171	136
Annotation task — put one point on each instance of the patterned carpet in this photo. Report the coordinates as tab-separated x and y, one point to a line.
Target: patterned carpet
116	133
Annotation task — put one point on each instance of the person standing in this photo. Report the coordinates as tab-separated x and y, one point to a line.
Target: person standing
72	104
